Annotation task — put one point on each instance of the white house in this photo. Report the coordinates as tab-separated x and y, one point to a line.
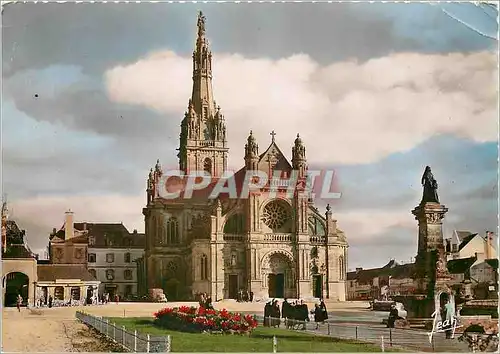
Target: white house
112	252
465	244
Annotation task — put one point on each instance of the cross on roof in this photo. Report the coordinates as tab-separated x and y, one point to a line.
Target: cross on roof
273	134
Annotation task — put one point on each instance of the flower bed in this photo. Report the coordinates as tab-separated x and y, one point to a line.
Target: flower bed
192	319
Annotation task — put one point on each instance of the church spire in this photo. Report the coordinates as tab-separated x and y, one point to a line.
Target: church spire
202	96
203	141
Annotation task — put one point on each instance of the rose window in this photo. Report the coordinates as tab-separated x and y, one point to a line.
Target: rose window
275	215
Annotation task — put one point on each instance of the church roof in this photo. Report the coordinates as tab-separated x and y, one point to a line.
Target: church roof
273	151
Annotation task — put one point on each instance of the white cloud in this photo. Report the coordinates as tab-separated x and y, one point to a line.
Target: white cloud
347	112
39	215
361	224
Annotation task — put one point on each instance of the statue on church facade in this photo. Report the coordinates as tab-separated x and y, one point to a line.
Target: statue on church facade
430	187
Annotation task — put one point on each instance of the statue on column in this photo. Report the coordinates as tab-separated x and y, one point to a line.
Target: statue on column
430	187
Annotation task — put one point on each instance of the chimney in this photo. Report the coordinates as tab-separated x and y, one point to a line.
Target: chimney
489	236
135	231
448	245
84	226
68	226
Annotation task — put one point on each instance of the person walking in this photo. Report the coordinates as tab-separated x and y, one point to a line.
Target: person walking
19	302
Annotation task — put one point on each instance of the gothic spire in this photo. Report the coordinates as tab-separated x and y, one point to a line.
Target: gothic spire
202	96
299	161
203	137
251	152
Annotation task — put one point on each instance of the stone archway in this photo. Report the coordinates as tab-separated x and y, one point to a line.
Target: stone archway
278	275
28	267
16	283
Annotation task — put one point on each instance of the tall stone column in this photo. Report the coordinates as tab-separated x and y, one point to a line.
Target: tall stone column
431	270
430	237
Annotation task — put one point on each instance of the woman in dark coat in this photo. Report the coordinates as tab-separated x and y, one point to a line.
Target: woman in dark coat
267	314
324	311
275	322
318	315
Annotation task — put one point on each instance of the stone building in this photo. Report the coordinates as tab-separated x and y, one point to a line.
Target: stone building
112	255
107	251
271	244
65	276
19	264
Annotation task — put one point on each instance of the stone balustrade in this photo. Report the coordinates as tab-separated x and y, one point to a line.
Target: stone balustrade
234	237
278	237
317	239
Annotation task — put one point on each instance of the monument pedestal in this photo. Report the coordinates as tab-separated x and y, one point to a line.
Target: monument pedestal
431	274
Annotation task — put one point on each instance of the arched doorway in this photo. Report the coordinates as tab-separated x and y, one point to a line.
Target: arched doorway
171	289
279	276
16	283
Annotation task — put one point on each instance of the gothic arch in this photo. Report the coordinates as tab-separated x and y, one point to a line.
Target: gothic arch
341	268
316	226
207	165
172	227
203	264
235	223
264	262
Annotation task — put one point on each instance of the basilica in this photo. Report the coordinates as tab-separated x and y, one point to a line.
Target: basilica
275	245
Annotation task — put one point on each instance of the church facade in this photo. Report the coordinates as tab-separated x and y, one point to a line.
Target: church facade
269	242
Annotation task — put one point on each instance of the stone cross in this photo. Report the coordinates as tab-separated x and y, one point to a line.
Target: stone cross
273	134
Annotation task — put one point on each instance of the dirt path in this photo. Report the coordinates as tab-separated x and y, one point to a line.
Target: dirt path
27	332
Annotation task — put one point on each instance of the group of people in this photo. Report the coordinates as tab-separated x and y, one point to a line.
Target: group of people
205	301
244	296
295	314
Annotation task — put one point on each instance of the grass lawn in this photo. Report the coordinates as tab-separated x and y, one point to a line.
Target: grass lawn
261	340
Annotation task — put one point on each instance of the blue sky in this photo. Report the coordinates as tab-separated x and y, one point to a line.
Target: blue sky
382	90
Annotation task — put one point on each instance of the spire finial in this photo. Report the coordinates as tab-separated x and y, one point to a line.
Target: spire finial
201	24
272	135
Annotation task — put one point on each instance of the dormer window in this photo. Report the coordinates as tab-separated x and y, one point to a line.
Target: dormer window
91	240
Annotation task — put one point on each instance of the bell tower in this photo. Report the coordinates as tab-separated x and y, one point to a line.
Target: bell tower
203	144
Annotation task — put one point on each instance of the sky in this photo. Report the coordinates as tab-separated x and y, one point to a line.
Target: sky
93	94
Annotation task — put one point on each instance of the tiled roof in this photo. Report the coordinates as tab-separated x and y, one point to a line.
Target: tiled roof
466	240
461	265
351	275
493	262
16	246
392	269
104	235
51	272
463	234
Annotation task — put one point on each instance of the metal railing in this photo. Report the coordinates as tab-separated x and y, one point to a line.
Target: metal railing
131	341
378	335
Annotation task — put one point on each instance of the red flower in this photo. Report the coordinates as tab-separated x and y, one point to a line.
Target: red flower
201	311
210	312
204	319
